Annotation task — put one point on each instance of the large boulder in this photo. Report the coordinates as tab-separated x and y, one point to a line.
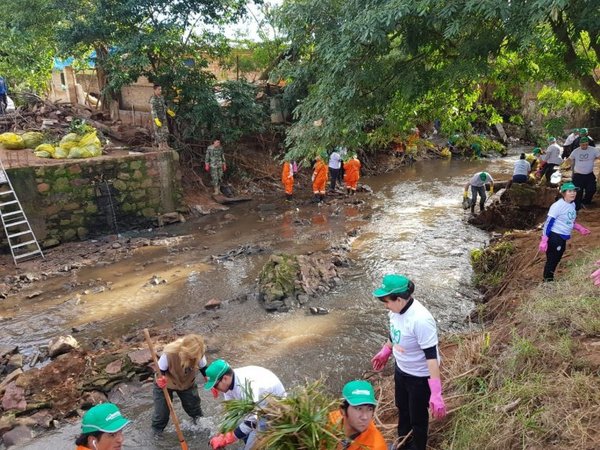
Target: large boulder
14	398
17	436
61	345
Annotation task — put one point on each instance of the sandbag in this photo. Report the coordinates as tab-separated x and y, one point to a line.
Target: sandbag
60	153
12	141
49	148
42	154
69	141
90	139
32	139
80	152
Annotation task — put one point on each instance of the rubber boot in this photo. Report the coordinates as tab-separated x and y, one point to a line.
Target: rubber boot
316	199
288	197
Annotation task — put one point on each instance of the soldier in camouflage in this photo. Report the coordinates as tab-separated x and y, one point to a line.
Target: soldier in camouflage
215	163
159	112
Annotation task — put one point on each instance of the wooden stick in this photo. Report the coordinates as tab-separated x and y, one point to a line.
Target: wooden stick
184	445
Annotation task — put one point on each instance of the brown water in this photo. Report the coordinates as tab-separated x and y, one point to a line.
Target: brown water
417	227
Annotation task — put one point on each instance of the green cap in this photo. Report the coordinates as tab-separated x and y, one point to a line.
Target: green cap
483	176
537	151
551	139
568	187
583	131
359	392
392	284
105	417
584	140
214	372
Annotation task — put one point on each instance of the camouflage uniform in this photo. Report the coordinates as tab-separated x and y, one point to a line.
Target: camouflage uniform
215	159
158	109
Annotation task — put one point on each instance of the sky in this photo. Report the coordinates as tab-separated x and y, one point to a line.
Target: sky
249	27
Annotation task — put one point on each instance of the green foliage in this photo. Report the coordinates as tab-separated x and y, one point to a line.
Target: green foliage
491	264
81	127
236	410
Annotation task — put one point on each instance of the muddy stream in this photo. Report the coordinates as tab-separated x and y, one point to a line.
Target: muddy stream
414	224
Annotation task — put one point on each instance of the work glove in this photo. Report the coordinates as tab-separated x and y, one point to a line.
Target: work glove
543	244
207	167
222	440
436	402
158	122
465	194
581	229
224	167
380	359
596	275
161	382
492	189
214	392
171	112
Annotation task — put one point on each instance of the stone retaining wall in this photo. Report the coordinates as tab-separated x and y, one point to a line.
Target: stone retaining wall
80	199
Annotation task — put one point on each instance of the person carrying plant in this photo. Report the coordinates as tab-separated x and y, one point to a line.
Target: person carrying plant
179	365
413	341
558	227
214	162
102	428
582	165
352	174
246	383
355	418
477	184
159	111
319	178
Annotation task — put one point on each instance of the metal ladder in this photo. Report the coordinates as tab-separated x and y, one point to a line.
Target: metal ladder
23	243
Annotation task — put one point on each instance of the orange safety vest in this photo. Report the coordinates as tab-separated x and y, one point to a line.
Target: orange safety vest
352	172
320	177
288	182
370	439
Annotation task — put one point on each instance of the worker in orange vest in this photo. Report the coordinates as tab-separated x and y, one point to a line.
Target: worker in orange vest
287	179
351	174
319	178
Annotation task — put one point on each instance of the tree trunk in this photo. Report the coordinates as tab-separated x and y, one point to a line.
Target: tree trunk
105	96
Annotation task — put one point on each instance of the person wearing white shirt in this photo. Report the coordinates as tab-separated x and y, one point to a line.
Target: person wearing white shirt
477	184
582	164
238	384
335	164
552	159
521	170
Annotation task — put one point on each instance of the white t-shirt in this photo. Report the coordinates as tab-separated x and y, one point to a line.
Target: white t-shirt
335	160
583	160
570	138
413	331
522	167
478	182
552	155
564	214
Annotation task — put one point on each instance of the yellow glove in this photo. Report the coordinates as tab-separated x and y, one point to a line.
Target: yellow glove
465	194
158	122
492	189
171	112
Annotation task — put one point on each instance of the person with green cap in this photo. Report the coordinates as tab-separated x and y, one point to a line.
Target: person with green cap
583	132
477	184
238	384
568	145
582	165
551	158
558	228
355	418
102	428
413	341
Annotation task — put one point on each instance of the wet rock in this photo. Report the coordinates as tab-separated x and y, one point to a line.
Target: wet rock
14	398
303	299
42	419
254	296
4	290
94	290
229	217
17	436
14	362
213	303
156	280
116	245
288	302
29	277
11	377
283	309
92	398
7	422
273	305
318	310
140	357
8	350
62	344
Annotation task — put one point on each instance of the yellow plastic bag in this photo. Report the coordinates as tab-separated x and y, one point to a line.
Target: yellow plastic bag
49	148
60	153
69	141
80	152
42	154
12	141
32	139
89	139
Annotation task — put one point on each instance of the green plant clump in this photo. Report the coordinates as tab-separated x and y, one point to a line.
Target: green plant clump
491	264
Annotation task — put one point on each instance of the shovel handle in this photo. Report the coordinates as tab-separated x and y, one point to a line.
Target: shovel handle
182	442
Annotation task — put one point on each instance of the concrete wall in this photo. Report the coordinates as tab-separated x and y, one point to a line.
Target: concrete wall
80	199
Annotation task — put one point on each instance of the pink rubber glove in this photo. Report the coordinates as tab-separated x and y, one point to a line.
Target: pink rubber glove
222	440
380	359
161	382
206	167
214	392
581	229
543	244
436	402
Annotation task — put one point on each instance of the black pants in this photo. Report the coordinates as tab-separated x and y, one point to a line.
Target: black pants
556	247
567	149
190	401
548	170
412	401
333	178
587	188
3	103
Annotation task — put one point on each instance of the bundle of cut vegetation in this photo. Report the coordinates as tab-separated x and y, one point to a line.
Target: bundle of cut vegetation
533	382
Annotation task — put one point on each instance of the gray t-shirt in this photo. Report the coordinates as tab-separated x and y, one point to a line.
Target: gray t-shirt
522	167
476	181
583	160
552	155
